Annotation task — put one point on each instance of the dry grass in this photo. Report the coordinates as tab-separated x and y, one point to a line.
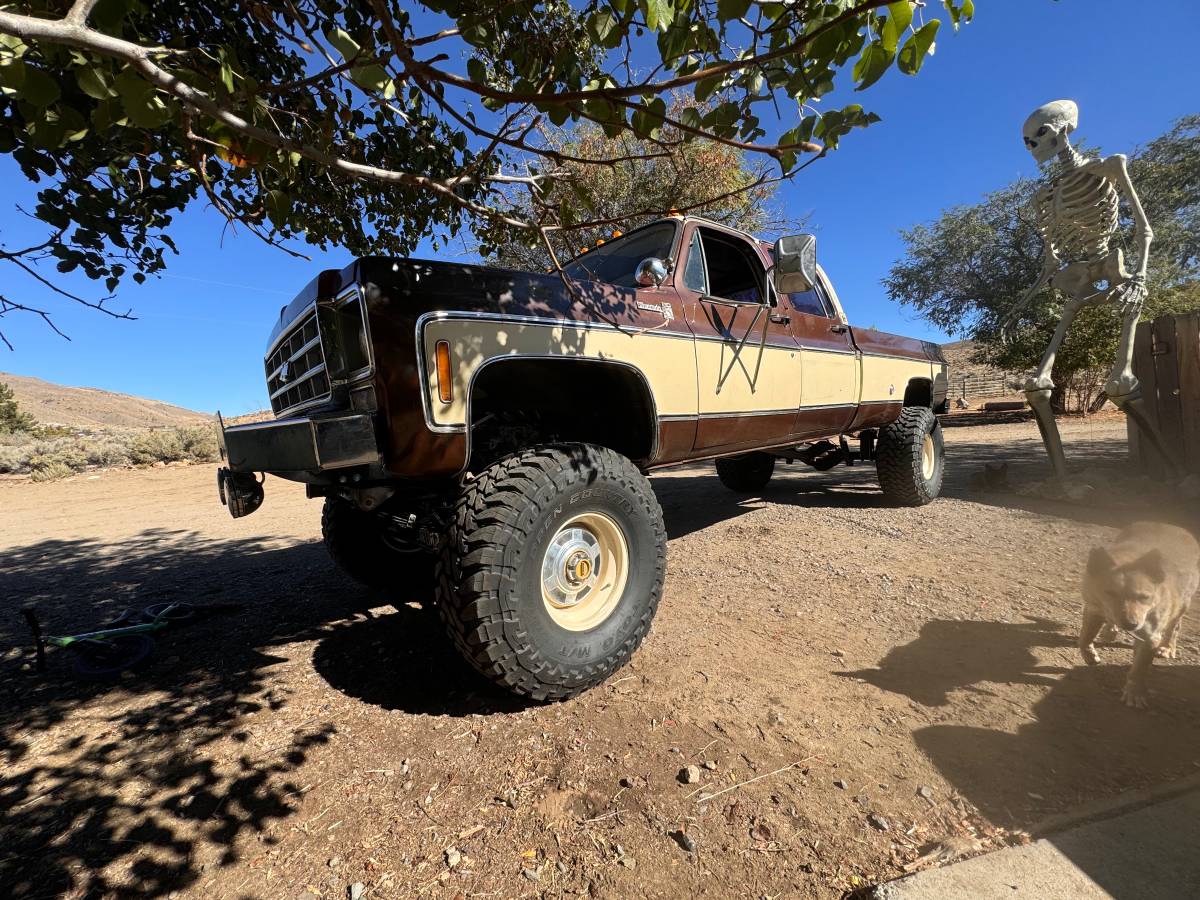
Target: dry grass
49	457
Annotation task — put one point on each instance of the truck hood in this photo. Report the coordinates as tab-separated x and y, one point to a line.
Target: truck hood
421	285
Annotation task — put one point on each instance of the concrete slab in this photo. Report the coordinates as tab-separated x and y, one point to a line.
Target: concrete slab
1152	853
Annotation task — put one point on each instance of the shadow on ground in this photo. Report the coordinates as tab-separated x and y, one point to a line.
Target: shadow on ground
951	655
1080	743
156	770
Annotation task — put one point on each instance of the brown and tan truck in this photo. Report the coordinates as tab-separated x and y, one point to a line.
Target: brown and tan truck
483	435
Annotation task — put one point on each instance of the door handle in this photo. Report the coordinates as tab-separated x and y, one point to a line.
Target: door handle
838	328
780	318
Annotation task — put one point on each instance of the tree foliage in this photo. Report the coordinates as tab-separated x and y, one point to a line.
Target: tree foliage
369	124
699	177
11	417
964	271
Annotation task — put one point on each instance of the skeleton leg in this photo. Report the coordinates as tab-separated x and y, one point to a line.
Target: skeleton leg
1121	381
1041	378
1039	387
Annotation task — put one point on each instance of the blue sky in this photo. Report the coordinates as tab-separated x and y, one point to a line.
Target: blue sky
947	137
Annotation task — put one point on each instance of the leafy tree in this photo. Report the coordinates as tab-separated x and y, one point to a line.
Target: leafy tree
354	124
699	176
11	417
964	271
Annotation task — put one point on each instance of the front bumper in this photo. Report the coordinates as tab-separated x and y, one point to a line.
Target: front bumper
303	444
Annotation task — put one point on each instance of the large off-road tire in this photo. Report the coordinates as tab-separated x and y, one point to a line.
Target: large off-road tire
909	457
747	473
359	544
552	568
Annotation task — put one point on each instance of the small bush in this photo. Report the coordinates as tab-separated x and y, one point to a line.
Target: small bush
107	452
15	459
199	442
159	445
51	471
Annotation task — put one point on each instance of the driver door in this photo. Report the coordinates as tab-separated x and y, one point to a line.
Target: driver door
748	363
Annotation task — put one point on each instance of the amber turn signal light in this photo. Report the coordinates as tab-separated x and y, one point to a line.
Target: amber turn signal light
445	387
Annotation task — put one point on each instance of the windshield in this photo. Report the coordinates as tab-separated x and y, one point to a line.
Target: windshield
616	261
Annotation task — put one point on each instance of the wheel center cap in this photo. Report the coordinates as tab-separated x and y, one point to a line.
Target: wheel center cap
578	568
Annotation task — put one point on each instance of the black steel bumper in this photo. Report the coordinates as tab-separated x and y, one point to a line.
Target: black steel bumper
302	445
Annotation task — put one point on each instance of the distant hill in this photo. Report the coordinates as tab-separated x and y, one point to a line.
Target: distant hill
58	404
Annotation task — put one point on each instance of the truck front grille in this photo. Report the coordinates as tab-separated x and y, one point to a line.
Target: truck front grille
296	373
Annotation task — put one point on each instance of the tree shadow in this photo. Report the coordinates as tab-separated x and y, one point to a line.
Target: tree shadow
402	660
131	787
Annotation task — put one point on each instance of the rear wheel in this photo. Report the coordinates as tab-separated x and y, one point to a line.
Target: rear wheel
746	473
909	457
553	568
374	555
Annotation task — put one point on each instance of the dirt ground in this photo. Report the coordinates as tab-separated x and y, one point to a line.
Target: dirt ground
852	680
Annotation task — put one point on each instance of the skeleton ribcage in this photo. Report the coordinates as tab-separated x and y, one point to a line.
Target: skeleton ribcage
1078	214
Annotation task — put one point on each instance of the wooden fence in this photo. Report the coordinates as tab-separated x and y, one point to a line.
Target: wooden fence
1166	360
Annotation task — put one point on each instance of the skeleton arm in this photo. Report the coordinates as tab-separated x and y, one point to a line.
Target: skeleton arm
1142	232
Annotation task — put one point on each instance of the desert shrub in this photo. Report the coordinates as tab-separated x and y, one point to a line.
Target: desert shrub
106	450
49	432
199	442
158	445
15	458
50	471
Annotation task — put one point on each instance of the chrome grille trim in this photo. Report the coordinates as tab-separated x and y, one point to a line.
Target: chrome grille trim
299	347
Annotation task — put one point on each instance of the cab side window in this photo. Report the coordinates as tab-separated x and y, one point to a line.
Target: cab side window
694	276
734	270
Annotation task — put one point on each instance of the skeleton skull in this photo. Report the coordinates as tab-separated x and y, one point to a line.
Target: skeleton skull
1046	130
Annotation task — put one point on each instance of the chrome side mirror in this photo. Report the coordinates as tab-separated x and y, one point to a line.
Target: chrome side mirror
651	272
795	263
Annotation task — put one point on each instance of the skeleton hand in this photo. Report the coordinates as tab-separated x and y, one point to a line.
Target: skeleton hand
1132	296
1008	322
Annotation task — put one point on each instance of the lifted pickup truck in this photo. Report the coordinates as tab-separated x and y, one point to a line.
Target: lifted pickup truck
482	435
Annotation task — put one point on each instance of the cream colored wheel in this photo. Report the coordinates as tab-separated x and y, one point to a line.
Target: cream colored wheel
928	457
584	571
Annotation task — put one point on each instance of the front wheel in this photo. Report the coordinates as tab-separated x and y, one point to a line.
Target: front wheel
364	547
553	568
909	457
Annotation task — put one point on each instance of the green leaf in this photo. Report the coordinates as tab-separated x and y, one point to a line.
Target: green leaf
343	43
872	64
658	13
706	87
371	78
899	18
476	70
92	82
39	88
227	75
600	25
917	47
962	11
730	10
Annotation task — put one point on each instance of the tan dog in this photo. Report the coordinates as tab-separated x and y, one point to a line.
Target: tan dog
1142	583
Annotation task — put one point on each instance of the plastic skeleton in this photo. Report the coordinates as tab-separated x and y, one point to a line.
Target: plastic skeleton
1078	209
